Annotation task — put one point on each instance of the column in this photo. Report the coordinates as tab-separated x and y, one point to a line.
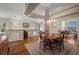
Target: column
46	19
78	27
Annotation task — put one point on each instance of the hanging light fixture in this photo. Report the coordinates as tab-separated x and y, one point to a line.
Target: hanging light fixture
48	21
55	20
51	20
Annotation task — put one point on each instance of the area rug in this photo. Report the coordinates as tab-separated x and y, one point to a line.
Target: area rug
34	49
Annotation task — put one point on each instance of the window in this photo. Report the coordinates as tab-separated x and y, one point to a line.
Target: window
71	25
63	25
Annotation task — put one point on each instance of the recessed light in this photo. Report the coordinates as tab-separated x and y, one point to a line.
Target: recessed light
29	15
55	20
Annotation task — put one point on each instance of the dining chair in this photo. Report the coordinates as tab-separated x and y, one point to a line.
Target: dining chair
61	41
56	44
41	35
44	41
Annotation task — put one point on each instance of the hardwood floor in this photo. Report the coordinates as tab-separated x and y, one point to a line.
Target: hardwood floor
18	47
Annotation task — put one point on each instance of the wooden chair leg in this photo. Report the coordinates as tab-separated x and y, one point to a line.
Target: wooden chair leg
43	49
40	45
8	51
63	47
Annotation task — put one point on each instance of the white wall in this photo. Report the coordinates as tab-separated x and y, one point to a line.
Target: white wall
66	19
15	23
2	20
15	26
72	17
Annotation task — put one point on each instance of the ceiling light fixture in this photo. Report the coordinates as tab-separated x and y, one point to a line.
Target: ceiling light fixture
49	21
55	20
29	15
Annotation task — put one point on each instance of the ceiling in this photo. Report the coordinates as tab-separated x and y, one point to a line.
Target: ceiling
12	9
54	5
18	9
15	9
40	9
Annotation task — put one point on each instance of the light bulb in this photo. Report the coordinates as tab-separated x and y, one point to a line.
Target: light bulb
54	20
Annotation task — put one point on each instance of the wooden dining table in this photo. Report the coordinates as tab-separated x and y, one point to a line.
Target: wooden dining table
53	37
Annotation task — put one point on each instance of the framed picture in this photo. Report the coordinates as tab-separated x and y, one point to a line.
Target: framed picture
25	25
